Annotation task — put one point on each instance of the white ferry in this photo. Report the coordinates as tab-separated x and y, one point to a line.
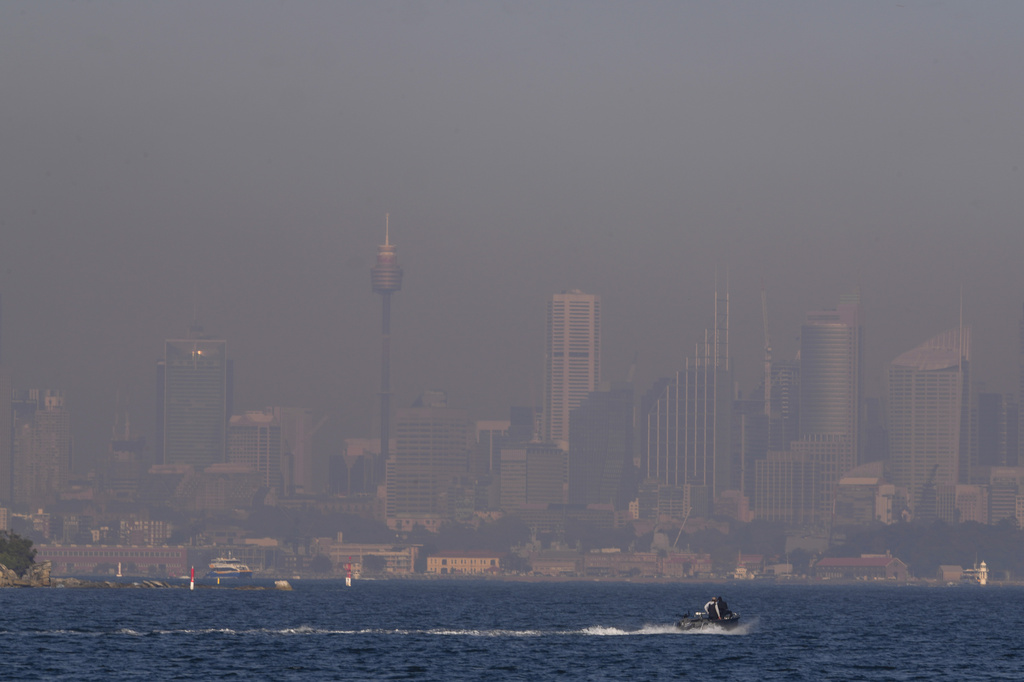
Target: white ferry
228	567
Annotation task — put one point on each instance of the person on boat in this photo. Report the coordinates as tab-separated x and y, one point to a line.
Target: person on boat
711	608
722	607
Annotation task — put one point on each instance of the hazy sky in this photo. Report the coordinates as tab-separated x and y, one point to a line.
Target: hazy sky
248	151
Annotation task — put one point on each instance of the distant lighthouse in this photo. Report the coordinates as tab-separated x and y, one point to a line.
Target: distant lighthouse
386	278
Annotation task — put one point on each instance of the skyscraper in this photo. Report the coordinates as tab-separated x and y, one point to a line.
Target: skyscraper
830	371
601	447
6	429
41	452
831	348
386	279
432	450
572	359
254	440
1020	391
928	415
194	400
685	421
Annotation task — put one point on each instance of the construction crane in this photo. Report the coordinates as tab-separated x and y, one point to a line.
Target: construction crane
767	359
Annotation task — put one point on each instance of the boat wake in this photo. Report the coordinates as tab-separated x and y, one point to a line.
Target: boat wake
306	630
661	629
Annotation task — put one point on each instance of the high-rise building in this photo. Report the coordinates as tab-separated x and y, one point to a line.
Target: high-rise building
830	372
6	438
831	348
532	474
928	413
194	400
254	440
126	462
432	449
41	451
299	470
995	431
601	448
386	279
685	421
572	359
1020	391
6	426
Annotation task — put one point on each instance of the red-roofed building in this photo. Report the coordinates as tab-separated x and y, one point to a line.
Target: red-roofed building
864	567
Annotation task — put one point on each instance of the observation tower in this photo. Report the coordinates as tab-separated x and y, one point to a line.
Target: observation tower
386	279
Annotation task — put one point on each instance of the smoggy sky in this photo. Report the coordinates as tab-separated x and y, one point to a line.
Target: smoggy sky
243	154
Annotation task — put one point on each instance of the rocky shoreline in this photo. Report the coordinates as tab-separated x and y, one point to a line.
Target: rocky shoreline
38	575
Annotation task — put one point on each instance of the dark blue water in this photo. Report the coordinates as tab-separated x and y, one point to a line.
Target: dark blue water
466	630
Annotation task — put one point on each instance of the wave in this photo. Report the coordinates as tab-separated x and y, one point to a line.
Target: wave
308	630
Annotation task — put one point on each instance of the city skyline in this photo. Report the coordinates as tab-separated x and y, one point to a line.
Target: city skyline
520	150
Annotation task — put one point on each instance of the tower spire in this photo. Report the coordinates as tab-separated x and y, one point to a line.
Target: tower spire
385	279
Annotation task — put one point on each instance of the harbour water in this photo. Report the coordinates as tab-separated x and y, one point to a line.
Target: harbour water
474	630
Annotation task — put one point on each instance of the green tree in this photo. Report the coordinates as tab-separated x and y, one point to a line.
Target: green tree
320	564
16	552
374	564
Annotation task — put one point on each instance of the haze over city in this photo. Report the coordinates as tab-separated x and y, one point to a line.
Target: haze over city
235	161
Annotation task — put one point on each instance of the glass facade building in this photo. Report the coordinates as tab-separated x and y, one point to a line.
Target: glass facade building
195	401
929	418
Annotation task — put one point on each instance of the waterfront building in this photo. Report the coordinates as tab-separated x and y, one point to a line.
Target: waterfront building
465	562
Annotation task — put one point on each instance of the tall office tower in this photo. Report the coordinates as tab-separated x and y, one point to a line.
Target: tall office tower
749	439
194	400
785	417
491	437
928	415
300	472
685	420
874	439
432	449
254	440
386	279
1020	390
572	359
126	462
831	347
996	418
6	437
42	447
532	474
6	427
601	448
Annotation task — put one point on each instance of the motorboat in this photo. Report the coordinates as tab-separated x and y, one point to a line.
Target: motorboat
700	621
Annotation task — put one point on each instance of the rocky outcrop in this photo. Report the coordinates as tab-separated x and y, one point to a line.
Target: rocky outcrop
37	575
7	577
